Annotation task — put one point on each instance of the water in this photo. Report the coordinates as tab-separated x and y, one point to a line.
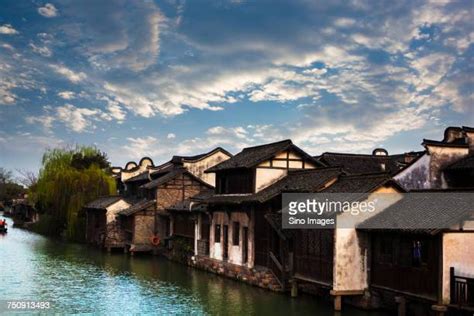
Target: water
78	279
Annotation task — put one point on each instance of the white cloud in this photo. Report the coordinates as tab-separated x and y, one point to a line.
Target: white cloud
45	120
8	29
67	95
171	136
72	76
344	22
8	46
48	11
142	146
76	119
42	50
316	71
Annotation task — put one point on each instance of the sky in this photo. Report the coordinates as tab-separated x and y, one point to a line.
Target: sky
159	78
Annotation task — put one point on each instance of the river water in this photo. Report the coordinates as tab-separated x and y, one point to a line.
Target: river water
78	279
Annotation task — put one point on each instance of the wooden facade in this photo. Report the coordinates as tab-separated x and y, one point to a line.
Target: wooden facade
314	253
407	263
96	227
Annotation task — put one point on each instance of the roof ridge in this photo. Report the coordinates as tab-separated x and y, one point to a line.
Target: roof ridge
442	143
269	144
314	169
366	175
363	155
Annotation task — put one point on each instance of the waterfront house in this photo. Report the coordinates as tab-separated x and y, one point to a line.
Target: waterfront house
22	212
101	227
149	218
421	250
138	218
236	247
133	175
326	260
432	169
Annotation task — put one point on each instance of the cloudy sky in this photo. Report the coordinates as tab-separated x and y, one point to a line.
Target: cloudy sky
181	77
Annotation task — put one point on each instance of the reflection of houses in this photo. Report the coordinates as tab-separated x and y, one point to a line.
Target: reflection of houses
435	236
101	227
443	163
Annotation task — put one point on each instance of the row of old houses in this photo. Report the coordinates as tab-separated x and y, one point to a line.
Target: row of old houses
222	213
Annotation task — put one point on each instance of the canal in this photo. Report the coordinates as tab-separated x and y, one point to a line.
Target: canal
80	279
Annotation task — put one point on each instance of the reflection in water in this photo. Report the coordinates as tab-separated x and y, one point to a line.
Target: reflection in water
80	279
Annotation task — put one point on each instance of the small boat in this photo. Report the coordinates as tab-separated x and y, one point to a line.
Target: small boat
3	229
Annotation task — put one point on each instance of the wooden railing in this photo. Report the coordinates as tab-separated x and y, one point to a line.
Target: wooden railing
462	289
277	268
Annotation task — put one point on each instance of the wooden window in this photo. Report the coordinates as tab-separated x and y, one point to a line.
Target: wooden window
235	181
225	246
217	233
245	243
235	233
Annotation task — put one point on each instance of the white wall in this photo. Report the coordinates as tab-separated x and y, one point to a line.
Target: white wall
197	168
266	176
235	252
458	252
113	209
351	249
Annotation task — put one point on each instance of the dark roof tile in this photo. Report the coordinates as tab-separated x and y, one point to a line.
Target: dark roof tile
307	180
137	207
103	202
251	156
424	212
358	163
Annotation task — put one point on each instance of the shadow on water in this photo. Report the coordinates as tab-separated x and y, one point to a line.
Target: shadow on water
82	279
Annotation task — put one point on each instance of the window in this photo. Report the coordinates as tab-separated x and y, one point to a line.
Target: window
235	233
217	233
240	181
245	247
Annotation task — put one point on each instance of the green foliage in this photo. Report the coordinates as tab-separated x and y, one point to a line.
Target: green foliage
67	180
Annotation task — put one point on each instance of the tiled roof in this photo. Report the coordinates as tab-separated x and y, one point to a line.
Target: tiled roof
251	156
103	202
358	164
139	177
308	180
358	183
170	176
181	159
460	142
164	178
137	207
424	212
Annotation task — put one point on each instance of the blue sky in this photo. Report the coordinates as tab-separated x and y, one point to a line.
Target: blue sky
181	77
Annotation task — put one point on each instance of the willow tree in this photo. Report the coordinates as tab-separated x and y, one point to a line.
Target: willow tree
68	179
